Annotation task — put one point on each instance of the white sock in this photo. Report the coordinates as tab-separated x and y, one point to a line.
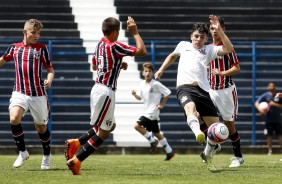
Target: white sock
194	124
165	145
149	137
209	147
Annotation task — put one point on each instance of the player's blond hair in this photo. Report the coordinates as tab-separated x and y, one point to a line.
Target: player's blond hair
33	24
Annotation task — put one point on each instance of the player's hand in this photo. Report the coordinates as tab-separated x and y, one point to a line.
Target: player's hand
133	92
131	26
158	74
124	65
214	22
278	95
216	72
47	84
160	107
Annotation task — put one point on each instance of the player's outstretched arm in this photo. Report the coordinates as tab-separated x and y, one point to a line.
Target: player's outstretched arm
167	62
227	45
232	71
132	28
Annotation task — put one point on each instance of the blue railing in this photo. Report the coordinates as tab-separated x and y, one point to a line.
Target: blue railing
153	45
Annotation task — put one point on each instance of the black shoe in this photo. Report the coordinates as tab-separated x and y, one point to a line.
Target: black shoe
154	146
170	155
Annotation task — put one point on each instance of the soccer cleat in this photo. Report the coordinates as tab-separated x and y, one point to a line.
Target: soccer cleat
154	146
72	145
201	138
170	155
23	155
216	149
208	161
236	161
46	162
74	165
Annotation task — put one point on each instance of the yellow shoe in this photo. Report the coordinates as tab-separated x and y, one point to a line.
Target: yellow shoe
74	165
72	145
200	138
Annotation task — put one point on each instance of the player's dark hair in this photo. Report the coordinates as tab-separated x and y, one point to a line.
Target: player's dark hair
148	65
110	25
201	27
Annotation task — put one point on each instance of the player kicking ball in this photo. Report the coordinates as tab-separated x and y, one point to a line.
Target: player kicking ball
192	82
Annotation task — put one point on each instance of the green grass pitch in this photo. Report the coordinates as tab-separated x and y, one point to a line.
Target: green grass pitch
147	169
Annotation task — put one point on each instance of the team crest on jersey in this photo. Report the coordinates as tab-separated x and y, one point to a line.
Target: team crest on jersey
36	54
109	122
202	51
183	99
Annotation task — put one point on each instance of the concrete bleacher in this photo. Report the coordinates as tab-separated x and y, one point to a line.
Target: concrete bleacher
245	21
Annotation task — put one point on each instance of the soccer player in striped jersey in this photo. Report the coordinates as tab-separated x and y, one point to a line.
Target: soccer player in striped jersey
30	89
223	91
107	61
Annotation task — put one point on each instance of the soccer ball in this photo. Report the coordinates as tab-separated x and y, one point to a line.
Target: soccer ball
218	133
264	106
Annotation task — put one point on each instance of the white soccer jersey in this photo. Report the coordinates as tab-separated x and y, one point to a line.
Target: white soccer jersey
151	94
193	63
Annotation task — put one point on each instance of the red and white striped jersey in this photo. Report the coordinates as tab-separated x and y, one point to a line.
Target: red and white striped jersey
108	58
222	63
28	67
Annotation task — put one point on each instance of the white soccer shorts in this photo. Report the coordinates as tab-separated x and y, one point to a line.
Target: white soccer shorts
38	106
226	102
102	104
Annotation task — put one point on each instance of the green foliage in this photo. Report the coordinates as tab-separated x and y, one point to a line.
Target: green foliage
147	169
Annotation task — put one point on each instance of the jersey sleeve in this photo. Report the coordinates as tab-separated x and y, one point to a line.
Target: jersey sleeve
262	97
178	48
163	89
45	58
8	55
122	50
233	58
213	52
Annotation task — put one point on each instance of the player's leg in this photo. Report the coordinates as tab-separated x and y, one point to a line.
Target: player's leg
88	148
186	101
238	159
39	109
17	108
102	118
269	138
144	127
278	130
170	153
97	101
